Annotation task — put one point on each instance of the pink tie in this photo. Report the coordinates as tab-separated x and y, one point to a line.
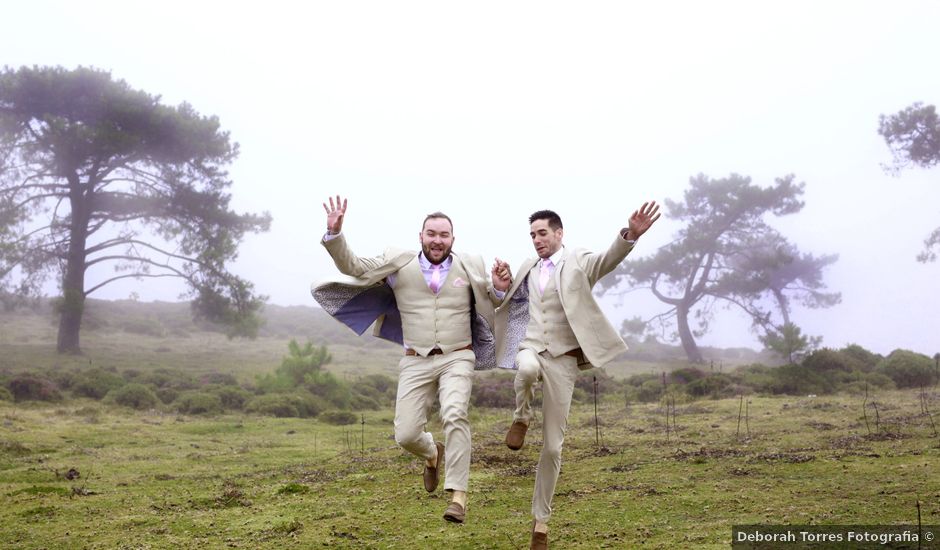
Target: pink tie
435	282
545	274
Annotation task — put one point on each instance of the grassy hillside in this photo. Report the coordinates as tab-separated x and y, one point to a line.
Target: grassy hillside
84	473
148	480
140	335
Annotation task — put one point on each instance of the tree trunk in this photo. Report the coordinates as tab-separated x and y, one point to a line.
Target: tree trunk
685	335
73	282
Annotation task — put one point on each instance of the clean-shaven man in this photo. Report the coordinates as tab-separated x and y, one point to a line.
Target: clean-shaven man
556	329
441	307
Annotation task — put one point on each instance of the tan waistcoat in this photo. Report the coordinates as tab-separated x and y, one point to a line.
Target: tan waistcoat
548	327
431	320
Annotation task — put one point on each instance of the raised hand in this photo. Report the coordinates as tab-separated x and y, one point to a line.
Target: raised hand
334	215
502	276
642	219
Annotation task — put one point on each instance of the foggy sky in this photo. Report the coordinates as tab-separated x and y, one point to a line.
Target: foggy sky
489	111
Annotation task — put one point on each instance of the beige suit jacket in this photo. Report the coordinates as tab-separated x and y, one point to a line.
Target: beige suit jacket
575	276
370	271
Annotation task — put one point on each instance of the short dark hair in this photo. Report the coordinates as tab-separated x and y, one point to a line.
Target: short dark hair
554	220
437	214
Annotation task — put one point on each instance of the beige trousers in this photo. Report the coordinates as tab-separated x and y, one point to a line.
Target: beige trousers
558	375
450	376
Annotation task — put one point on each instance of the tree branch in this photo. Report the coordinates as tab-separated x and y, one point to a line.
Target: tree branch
134	276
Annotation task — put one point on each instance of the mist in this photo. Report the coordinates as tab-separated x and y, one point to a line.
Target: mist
491	112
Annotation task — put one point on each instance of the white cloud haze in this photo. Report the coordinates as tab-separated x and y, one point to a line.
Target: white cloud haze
491	110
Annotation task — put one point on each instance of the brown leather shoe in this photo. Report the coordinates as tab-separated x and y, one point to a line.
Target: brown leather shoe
515	437
539	540
455	513
432	475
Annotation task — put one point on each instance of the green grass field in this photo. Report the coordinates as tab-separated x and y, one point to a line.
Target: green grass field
162	480
151	480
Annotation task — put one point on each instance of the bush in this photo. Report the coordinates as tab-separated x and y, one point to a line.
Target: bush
493	390
133	395
232	397
221	378
298	405
63	379
5	394
908	369
715	386
797	380
650	390
192	402
605	383
685	375
168	378
167	395
96	383
637	380
29	387
826	360
868	359
373	392
879	381
339	418
273	404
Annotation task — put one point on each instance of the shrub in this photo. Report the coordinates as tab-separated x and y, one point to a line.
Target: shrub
361	402
908	369
797	380
825	360
714	386
373	392
879	381
133	395
167	395
868	359
29	387
273	404
232	397
298	404
339	418
5	394
192	402
605	383
685	375
637	380
650	390
493	390
169	378
96	383
221	378
63	379
383	384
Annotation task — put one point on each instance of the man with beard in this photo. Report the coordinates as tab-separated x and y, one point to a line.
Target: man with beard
554	329
440	306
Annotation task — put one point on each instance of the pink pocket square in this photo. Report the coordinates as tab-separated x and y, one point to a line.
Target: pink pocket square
458	282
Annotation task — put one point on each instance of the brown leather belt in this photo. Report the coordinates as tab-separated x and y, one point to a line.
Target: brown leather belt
576	353
438	351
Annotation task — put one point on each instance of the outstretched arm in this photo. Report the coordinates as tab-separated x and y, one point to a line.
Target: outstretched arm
596	265
335	243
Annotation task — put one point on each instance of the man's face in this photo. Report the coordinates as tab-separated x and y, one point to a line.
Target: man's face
546	240
436	239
